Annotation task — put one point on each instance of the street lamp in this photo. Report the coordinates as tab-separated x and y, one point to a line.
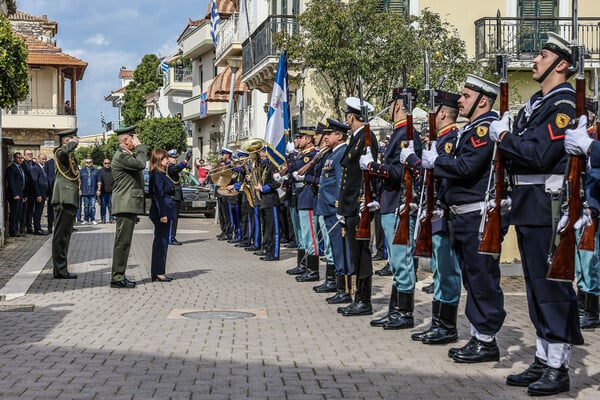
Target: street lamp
234	64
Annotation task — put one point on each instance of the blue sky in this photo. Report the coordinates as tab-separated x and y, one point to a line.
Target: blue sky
108	34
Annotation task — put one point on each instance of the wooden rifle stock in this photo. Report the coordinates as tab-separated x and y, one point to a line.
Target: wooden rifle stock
562	262
363	231
491	238
308	166
402	235
424	245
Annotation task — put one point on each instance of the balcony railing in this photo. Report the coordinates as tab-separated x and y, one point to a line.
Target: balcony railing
241	123
228	34
260	44
177	75
523	38
34	109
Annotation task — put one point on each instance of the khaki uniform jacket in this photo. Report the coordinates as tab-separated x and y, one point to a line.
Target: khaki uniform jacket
66	185
128	176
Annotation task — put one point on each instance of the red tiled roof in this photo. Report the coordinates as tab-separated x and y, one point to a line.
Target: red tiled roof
225	8
218	91
125	74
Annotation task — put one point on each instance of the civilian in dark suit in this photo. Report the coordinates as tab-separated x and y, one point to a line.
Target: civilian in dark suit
50	170
15	185
27	214
39	182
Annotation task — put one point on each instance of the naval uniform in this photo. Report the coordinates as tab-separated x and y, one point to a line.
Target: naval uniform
536	161
467	170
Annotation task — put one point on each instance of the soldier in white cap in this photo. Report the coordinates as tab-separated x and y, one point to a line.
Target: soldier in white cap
466	169
534	150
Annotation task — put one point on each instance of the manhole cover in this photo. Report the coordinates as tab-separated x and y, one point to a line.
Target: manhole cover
218	315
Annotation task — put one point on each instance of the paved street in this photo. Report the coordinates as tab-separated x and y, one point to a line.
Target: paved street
81	339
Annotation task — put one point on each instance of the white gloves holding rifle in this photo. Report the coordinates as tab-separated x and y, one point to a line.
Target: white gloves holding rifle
578	141
365	159
500	126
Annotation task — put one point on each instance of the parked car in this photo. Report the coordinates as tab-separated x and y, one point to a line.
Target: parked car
197	199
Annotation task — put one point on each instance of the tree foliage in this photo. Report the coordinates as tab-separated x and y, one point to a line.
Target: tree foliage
13	66
342	41
162	133
145	80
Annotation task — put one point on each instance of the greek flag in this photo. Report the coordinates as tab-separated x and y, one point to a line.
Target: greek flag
214	21
278	119
164	66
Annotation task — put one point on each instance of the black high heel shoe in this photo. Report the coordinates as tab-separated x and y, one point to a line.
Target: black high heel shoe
158	278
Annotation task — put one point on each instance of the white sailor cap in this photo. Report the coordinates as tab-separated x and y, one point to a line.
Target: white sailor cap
558	45
353	107
481	85
225	150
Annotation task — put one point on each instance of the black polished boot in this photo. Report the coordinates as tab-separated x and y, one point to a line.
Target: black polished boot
362	305
476	351
301	264
435	321
589	316
445	331
312	270
350	290
530	375
552	381
329	285
392	310
385	271
428	289
343	291
404	319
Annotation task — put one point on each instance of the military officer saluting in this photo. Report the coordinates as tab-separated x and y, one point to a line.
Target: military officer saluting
128	164
65	201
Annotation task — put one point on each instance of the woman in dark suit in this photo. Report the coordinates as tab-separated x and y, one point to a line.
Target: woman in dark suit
162	212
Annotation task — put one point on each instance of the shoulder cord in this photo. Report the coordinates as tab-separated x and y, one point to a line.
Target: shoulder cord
72	169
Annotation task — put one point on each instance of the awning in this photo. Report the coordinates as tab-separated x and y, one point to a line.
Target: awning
218	91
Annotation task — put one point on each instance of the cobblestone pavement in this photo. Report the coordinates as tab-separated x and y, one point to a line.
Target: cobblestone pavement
80	339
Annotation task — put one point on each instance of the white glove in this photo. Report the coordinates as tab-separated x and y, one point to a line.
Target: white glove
429	156
297	176
499	126
505	204
437	214
289	147
578	141
341	219
365	159
413	207
584	220
373	206
562	223
406	152
277	178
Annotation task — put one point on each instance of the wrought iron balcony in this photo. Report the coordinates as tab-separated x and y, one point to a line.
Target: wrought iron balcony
259	47
228	36
523	38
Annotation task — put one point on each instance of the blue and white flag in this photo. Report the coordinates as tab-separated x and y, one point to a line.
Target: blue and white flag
214	21
164	66
278	120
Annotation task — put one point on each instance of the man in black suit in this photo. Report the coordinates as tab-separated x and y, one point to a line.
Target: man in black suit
28	204
50	170
39	182
348	202
15	185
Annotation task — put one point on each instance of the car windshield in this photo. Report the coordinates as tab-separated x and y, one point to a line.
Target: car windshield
189	179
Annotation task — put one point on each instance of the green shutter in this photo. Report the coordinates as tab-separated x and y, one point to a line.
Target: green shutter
533	33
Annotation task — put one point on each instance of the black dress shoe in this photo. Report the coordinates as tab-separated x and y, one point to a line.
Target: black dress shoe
385	271
290	245
124	284
377	257
552	381
68	275
299	270
477	351
339	298
251	248
428	289
530	375
232	241
379	322
269	258
400	321
418	336
308	276
159	279
440	335
359	308
175	242
326	287
40	233
260	253
131	282
222	238
240	244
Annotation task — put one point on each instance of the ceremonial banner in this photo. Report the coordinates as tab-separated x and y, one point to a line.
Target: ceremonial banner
278	120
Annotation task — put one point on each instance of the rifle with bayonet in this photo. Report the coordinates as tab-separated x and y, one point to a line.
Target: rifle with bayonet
562	257
587	240
402	234
423	231
363	231
490	231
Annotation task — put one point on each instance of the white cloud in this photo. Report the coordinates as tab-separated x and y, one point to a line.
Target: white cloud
97	39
